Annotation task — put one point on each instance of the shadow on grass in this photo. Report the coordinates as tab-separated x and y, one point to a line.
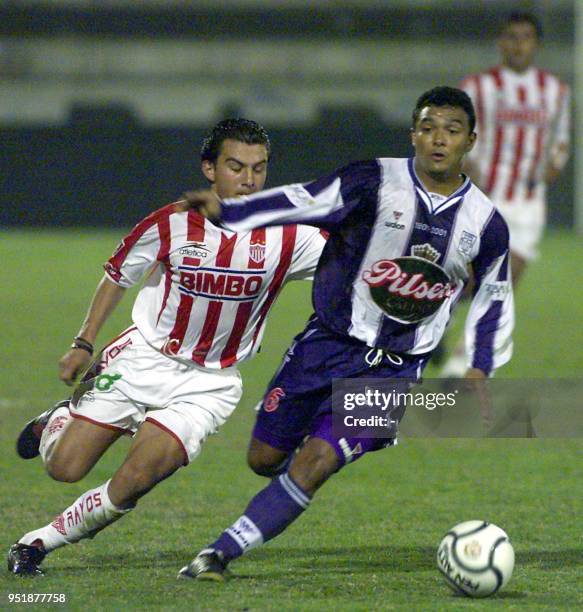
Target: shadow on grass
499	595
348	559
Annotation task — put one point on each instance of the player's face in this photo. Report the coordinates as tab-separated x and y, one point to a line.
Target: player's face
240	169
518	44
441	138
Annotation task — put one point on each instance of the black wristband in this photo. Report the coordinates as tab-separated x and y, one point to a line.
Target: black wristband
81	343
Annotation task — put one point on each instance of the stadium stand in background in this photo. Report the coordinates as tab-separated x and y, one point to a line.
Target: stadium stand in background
85	84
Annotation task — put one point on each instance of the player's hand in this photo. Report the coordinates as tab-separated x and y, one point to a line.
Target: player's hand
206	202
72	363
476	381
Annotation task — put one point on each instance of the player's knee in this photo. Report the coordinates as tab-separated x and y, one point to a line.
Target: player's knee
63	470
266	462
259	465
313	465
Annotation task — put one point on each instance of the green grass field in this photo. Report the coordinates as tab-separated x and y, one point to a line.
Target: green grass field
369	540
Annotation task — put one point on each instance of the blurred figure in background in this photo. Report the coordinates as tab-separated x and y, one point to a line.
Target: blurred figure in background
171	379
523	121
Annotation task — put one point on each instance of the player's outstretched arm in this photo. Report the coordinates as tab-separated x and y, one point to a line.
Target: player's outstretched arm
76	359
324	202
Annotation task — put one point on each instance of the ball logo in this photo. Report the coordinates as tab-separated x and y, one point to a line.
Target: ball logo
408	289
473	549
271	403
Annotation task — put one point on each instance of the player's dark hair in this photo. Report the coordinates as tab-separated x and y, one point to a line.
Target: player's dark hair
242	130
523	17
446	96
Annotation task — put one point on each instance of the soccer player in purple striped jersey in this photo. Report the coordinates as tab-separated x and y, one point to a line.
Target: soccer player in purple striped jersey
403	233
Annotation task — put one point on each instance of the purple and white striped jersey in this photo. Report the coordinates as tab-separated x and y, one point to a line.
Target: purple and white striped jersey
397	258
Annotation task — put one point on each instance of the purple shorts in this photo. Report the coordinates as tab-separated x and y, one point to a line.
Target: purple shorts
298	399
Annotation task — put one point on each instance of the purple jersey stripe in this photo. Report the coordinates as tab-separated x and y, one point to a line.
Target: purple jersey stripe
345	250
485	334
232	213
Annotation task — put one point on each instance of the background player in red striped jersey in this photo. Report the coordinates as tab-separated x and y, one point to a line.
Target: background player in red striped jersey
171	378
523	121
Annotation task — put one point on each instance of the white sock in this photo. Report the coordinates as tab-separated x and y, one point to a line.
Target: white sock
89	514
59	421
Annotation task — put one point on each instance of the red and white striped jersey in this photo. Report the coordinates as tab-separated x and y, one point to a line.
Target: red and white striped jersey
209	290
521	117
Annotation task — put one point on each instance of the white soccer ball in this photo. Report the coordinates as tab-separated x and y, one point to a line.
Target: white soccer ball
476	558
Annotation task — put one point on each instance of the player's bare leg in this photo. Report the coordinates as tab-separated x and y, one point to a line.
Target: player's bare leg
154	455
271	511
77	450
265	460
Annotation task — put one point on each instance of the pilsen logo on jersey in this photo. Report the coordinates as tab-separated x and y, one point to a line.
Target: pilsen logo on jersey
257	251
408	289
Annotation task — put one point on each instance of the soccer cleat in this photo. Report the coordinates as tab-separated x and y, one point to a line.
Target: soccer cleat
207	565
28	441
25	560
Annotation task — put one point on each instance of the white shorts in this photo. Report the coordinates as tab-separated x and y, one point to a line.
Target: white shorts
526	222
141	384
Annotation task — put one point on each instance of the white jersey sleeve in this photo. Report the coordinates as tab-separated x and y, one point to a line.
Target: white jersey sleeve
490	321
309	245
137	252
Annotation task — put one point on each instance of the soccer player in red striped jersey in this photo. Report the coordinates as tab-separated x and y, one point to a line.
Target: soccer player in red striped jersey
523	124
523	115
170	379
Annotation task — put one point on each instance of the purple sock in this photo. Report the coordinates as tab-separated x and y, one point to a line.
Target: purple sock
266	516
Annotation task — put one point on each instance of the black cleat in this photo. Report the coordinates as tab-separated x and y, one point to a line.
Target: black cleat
29	438
24	560
207	565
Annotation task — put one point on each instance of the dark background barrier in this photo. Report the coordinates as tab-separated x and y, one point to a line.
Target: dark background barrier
104	169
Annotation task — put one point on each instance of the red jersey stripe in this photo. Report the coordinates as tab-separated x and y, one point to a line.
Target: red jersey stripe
213	313
164	232
479	103
498	138
285	258
541	81
194	233
229	354
114	263
176	337
518	147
